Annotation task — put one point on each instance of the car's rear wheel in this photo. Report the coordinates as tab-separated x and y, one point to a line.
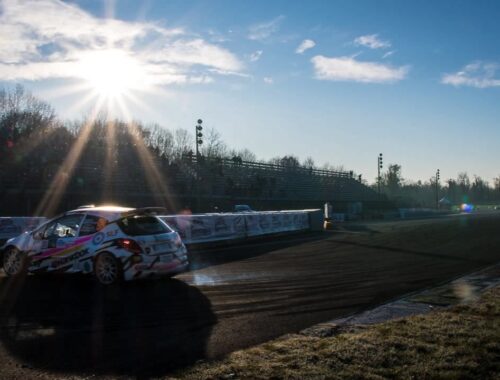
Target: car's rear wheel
108	269
14	262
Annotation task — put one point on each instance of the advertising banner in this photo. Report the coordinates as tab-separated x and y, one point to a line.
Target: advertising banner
201	228
252	225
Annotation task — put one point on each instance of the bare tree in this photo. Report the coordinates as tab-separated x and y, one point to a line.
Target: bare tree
183	142
392	179
213	146
496	182
336	168
309	163
275	160
246	155
25	121
463	181
161	139
290	161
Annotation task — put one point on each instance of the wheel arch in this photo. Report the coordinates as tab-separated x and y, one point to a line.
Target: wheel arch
4	249
117	258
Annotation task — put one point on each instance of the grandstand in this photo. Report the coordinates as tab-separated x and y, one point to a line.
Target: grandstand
200	184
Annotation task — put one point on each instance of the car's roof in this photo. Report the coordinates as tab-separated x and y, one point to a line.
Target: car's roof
107	212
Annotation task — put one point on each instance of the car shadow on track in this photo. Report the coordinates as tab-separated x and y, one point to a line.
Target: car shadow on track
202	256
71	324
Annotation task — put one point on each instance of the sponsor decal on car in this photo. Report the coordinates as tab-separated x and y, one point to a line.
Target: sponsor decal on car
98	238
61	251
65	260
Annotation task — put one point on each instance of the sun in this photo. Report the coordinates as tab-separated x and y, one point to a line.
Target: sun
111	73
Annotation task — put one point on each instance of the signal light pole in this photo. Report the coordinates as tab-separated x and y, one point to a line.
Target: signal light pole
437	189
198	135
379	167
198	138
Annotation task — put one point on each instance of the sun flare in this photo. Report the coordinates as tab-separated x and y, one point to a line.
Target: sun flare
112	73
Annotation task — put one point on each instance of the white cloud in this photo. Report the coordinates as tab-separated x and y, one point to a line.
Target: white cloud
388	54
349	69
255	56
478	74
48	38
268	80
264	30
372	41
305	45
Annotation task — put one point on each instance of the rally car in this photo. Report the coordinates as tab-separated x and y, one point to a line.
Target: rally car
113	243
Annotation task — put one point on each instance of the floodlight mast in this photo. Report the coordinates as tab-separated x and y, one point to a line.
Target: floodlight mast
437	188
198	137
379	167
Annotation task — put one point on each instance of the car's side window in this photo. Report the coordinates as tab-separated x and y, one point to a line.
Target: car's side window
66	226
89	225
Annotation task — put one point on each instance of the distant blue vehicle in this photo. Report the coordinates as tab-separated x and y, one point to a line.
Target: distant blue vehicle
243	208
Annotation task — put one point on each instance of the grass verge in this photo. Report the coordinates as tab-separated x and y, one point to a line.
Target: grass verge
460	342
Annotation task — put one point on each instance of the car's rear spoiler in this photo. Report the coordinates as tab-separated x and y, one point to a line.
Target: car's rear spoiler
145	211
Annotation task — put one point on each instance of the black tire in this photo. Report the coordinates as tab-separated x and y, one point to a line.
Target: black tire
108	270
15	262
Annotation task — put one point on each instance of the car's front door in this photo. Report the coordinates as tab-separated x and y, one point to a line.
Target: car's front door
56	240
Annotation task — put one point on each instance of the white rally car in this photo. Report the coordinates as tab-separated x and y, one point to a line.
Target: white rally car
114	243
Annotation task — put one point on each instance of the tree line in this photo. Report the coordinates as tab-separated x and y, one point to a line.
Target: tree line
27	123
33	138
463	189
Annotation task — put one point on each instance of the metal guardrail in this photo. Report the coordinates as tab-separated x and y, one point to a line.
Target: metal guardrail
268	167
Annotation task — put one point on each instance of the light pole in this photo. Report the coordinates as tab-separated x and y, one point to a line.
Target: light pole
437	189
198	139
379	167
198	135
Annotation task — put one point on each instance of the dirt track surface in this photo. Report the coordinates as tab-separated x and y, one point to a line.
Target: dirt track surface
234	297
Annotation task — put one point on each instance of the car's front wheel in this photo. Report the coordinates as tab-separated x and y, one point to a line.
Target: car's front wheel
108	269
14	262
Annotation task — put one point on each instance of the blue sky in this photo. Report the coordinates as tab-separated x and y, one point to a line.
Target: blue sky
340	81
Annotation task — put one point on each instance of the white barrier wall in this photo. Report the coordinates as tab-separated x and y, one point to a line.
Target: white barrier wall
14	226
214	227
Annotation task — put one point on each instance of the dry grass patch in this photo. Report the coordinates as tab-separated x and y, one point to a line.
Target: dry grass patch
461	342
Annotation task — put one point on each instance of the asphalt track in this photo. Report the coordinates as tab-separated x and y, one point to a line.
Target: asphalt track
235	297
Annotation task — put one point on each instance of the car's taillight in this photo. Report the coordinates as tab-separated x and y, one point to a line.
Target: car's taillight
130	245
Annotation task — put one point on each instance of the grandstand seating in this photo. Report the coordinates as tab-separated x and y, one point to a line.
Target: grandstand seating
213	178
